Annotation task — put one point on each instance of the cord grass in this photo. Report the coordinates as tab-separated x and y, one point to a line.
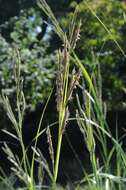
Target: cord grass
89	116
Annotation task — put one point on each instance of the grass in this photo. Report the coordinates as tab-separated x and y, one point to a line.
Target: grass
89	116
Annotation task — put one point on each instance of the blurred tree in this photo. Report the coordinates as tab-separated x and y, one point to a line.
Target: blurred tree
10	9
22	24
38	68
95	38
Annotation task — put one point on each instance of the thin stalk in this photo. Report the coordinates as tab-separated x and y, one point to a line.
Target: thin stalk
106	28
60	134
37	136
100	116
57	156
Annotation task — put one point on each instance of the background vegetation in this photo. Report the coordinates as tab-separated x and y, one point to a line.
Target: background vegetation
24	26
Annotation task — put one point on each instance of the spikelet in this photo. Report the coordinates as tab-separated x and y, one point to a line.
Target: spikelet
73	83
63	60
51	150
59	83
66	53
66	117
76	35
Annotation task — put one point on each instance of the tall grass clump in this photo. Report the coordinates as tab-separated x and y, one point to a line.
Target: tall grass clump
65	85
21	168
90	116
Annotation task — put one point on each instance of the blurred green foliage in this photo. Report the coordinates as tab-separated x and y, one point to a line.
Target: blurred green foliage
37	67
94	38
24	27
